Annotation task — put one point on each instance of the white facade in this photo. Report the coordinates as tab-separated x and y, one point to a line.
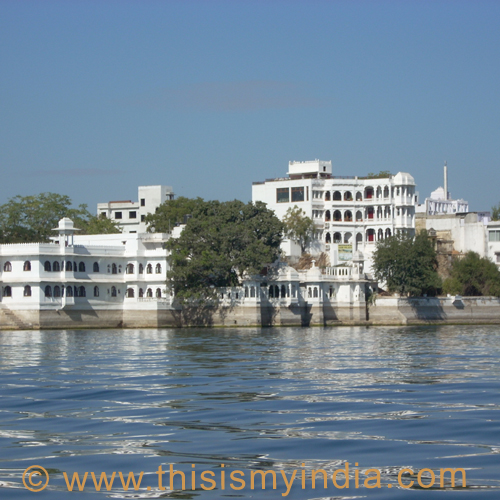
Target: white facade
346	210
439	204
493	242
115	271
130	215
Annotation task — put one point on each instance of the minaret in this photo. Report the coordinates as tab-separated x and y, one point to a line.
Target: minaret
445	180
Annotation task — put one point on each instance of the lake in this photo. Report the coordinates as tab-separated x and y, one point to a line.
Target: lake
276	399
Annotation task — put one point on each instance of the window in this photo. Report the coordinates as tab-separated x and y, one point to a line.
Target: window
252	291
47	267
48	291
143	202
149	293
57	291
297	194
149	269
282	195
69	266
75	267
96	267
69	291
7	291
118	215
141	269
27	266
81	267
494	235
143	218
77	292
158	269
141	293
113	291
246	292
56	267
96	291
158	293
82	292
130	293
27	291
7	267
129	269
132	215
114	269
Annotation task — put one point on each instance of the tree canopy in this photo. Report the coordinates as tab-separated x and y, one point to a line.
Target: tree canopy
495	212
221	242
407	265
473	275
298	227
171	212
25	219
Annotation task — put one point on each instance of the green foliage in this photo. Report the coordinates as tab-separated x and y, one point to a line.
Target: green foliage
298	227
473	276
25	219
220	243
92	224
495	212
171	212
407	265
383	174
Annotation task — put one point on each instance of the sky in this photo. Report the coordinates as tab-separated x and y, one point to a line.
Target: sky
98	97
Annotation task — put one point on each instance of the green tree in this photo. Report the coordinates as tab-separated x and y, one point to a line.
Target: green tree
298	227
221	242
495	212
92	224
171	212
407	265
381	175
472	276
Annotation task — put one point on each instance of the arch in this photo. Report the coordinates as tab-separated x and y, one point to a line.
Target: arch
129	269
347	216
388	233
158	293
113	291
359	238
330	291
252	291
315	292
69	266
283	291
75	267
359	216
48	291
7	267
96	291
337	196
380	234
81	267
158	268
327	216
27	265
348	196
379	192
368	192
56	267
359	196
114	269
276	291
141	293
7	291
386	191
246	292
337	238
130	293
369	212
95	267
57	291
149	269
271	291
69	291
141	268
337	216
309	292
149	292
46	266
328	238
82	292
370	235
347	237
27	291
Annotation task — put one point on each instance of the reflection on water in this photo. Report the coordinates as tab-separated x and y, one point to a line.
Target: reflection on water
132	400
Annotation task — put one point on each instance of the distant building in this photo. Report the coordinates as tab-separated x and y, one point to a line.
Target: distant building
130	215
493	244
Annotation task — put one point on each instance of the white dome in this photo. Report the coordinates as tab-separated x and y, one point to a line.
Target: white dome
404	178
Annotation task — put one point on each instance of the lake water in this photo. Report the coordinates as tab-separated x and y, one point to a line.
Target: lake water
279	399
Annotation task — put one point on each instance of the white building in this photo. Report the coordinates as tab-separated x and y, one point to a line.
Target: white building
130	215
349	213
493	244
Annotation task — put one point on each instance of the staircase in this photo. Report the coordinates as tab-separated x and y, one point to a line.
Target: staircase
10	321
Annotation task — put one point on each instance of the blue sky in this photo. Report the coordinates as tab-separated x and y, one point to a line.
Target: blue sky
98	97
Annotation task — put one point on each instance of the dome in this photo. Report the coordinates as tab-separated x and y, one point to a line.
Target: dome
404	178
358	256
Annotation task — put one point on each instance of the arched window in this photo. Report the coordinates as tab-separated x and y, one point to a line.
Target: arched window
246	292
370	235
81	267
328	238
149	269
69	291
337	216
48	291
130	293
96	291
158	293
315	292
7	291
27	291
327	196
347	196
57	291
359	216
337	238
347	237
75	267
82	292
149	293
7	267
359	196
158	269
309	292
283	291
271	291
141	293
348	216
337	196
114	269
252	291
95	267
47	267
370	212
379	192
386	192
113	291
387	233
141	269
380	235
129	269
27	266
56	267
69	266
327	216
368	193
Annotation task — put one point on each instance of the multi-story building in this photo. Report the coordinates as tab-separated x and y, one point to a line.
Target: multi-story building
350	213
130	215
